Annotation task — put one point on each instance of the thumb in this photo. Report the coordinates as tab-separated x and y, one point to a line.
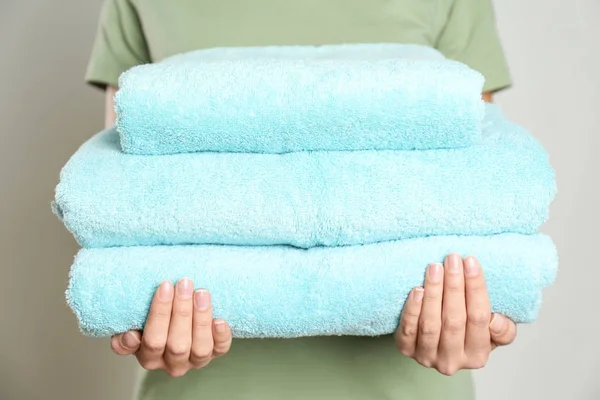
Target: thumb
126	343
503	331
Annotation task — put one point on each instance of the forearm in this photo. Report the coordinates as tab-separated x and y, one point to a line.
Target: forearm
109	114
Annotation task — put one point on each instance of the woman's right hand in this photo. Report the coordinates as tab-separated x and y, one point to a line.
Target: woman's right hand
179	334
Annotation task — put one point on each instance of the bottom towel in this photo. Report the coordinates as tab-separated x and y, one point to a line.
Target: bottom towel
284	292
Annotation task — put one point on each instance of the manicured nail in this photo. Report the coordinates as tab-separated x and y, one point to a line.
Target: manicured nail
220	325
454	264
435	272
418	294
202	299
471	266
129	340
165	292
184	289
498	324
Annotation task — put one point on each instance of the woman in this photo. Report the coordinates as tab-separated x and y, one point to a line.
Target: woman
446	327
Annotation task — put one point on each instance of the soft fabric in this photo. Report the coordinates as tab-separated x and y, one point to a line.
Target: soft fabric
339	368
133	32
279	291
300	98
350	51
107	198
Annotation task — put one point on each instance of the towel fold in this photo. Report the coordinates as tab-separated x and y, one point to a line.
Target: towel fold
278	291
305	199
296	98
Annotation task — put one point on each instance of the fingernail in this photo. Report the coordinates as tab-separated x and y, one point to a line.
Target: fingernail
454	264
471	266
418	294
129	340
220	325
497	325
165	292
184	289
202	299
435	272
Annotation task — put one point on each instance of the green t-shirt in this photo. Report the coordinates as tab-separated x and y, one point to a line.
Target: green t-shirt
133	32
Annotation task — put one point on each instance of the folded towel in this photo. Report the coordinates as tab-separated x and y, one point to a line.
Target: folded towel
278	291
344	51
293	98
107	198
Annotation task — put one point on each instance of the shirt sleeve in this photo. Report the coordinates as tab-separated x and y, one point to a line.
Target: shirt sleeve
470	36
119	44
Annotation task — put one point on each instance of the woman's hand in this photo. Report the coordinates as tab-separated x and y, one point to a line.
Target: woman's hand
447	325
180	333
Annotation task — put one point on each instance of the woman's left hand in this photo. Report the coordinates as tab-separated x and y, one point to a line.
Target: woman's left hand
448	325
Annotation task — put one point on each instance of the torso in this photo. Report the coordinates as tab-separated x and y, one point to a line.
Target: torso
324	368
177	26
309	368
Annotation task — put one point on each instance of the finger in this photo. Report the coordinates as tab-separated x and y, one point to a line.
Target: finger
154	337
430	321
202	336
179	342
454	314
503	331
406	334
222	337
477	342
126	343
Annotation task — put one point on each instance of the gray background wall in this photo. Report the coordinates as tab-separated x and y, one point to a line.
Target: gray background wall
46	112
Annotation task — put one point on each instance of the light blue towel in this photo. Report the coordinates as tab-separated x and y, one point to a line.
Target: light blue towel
107	198
293	98
277	291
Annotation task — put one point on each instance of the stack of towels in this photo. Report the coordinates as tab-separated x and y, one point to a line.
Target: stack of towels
307	188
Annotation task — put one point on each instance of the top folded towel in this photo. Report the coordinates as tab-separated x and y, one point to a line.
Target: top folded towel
280	99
